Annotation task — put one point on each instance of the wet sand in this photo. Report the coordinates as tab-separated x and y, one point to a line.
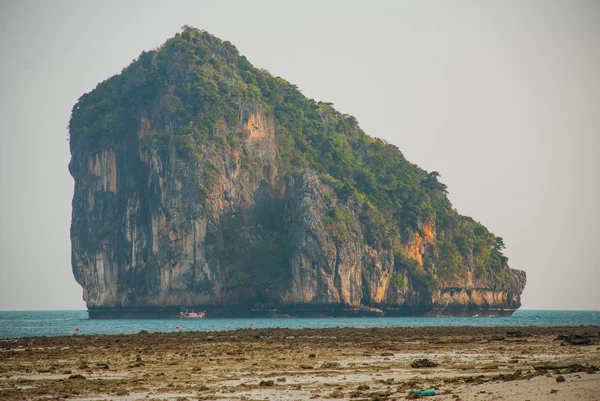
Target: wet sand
471	363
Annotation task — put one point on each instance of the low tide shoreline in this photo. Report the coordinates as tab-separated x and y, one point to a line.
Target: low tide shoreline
467	363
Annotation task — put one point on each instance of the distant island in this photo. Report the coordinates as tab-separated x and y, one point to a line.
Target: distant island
202	181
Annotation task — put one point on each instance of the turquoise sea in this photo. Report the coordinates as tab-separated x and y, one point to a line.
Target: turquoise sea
14	324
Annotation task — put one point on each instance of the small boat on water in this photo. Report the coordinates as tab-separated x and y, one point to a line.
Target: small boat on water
192	315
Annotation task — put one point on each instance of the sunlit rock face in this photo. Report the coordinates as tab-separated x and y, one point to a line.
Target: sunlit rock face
224	219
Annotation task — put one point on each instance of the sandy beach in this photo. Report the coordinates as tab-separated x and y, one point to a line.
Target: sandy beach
459	363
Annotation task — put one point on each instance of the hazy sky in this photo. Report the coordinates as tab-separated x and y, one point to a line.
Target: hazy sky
502	98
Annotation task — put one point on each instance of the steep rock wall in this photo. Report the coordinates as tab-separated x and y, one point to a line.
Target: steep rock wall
139	226
144	237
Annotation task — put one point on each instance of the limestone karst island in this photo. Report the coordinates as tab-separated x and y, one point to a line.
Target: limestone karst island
202	181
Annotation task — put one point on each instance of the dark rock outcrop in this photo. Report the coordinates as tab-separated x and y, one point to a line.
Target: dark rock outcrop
228	231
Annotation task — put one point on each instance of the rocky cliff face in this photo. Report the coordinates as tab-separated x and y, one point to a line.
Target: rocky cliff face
226	225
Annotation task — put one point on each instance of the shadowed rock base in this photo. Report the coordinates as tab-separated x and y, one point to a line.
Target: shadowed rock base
324	311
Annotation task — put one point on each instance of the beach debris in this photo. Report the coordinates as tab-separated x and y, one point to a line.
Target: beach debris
560	378
516	334
281	379
423	363
203	387
77	377
363	387
422	393
497	337
553	391
267	383
306	366
312	355
387	354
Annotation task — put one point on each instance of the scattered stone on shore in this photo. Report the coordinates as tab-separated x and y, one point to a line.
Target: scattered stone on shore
266	383
574	339
336	394
423	363
560	379
331	365
572	368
